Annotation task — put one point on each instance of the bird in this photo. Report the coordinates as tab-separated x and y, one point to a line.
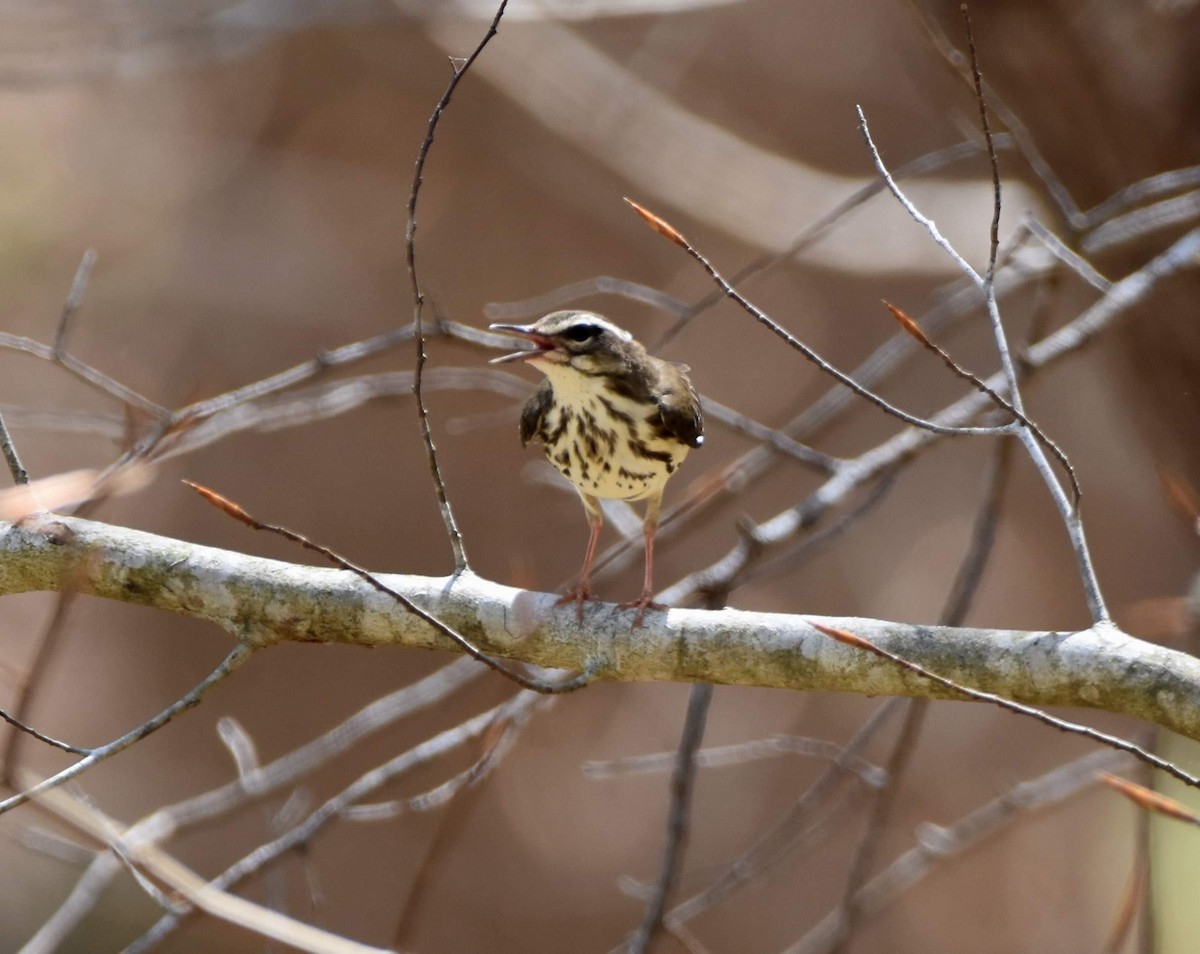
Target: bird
613	419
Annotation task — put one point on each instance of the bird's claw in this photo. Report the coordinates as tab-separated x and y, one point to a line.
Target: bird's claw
578	597
643	603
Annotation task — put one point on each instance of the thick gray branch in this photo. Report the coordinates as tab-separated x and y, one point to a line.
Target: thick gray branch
265	601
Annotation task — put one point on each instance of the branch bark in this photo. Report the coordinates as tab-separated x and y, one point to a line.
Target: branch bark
262	602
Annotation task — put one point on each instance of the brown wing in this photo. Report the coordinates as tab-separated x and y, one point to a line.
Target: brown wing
679	407
534	410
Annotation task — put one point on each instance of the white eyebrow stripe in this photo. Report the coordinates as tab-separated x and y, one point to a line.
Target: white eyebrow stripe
589	318
594	319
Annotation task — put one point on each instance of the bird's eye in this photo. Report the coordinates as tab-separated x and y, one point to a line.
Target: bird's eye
582	332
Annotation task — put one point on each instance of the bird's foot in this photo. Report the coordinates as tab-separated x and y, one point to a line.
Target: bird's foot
643	603
578	597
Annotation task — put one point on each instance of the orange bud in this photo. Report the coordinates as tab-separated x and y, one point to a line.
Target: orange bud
223	504
1148	799
843	636
907	323
661	226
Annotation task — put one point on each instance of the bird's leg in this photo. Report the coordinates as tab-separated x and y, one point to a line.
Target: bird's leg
649	527
584	592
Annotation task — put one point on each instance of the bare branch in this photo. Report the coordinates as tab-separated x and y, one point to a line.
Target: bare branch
813	232
86	373
937	844
853	639
254	785
264	602
913	329
683	779
800	825
881	811
668	231
738	753
1018	131
197	890
1068	509
780	530
519	708
229	508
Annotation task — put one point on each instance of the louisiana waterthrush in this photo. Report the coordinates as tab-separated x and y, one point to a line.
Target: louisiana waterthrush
616	422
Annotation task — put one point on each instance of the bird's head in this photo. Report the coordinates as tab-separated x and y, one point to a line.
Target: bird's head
582	340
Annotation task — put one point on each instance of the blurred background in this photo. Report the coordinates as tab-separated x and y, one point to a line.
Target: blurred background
242	171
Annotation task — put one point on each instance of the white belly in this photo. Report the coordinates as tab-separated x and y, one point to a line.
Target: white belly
607	445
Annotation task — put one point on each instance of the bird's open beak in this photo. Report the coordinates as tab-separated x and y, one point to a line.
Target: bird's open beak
541	343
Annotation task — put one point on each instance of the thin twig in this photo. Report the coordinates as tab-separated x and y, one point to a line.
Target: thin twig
240	745
881	810
962	594
983	537
86	373
330	399
457	544
1134	225
938	843
42	737
1019	132
59	355
780	529
1124	745
1147	935
231	509
1134	896
988	281
1148	188
464	795
15	467
173	820
510	311
21	727
46	647
323	363
810	545
683	779
914	213
770	436
981	101
1068	509
198	891
735	754
660	225
787	833
518	708
1060	250
810	234
980	385
238	655
74	299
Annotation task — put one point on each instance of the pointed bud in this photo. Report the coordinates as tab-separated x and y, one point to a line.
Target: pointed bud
907	323
844	636
223	504
661	226
1149	799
